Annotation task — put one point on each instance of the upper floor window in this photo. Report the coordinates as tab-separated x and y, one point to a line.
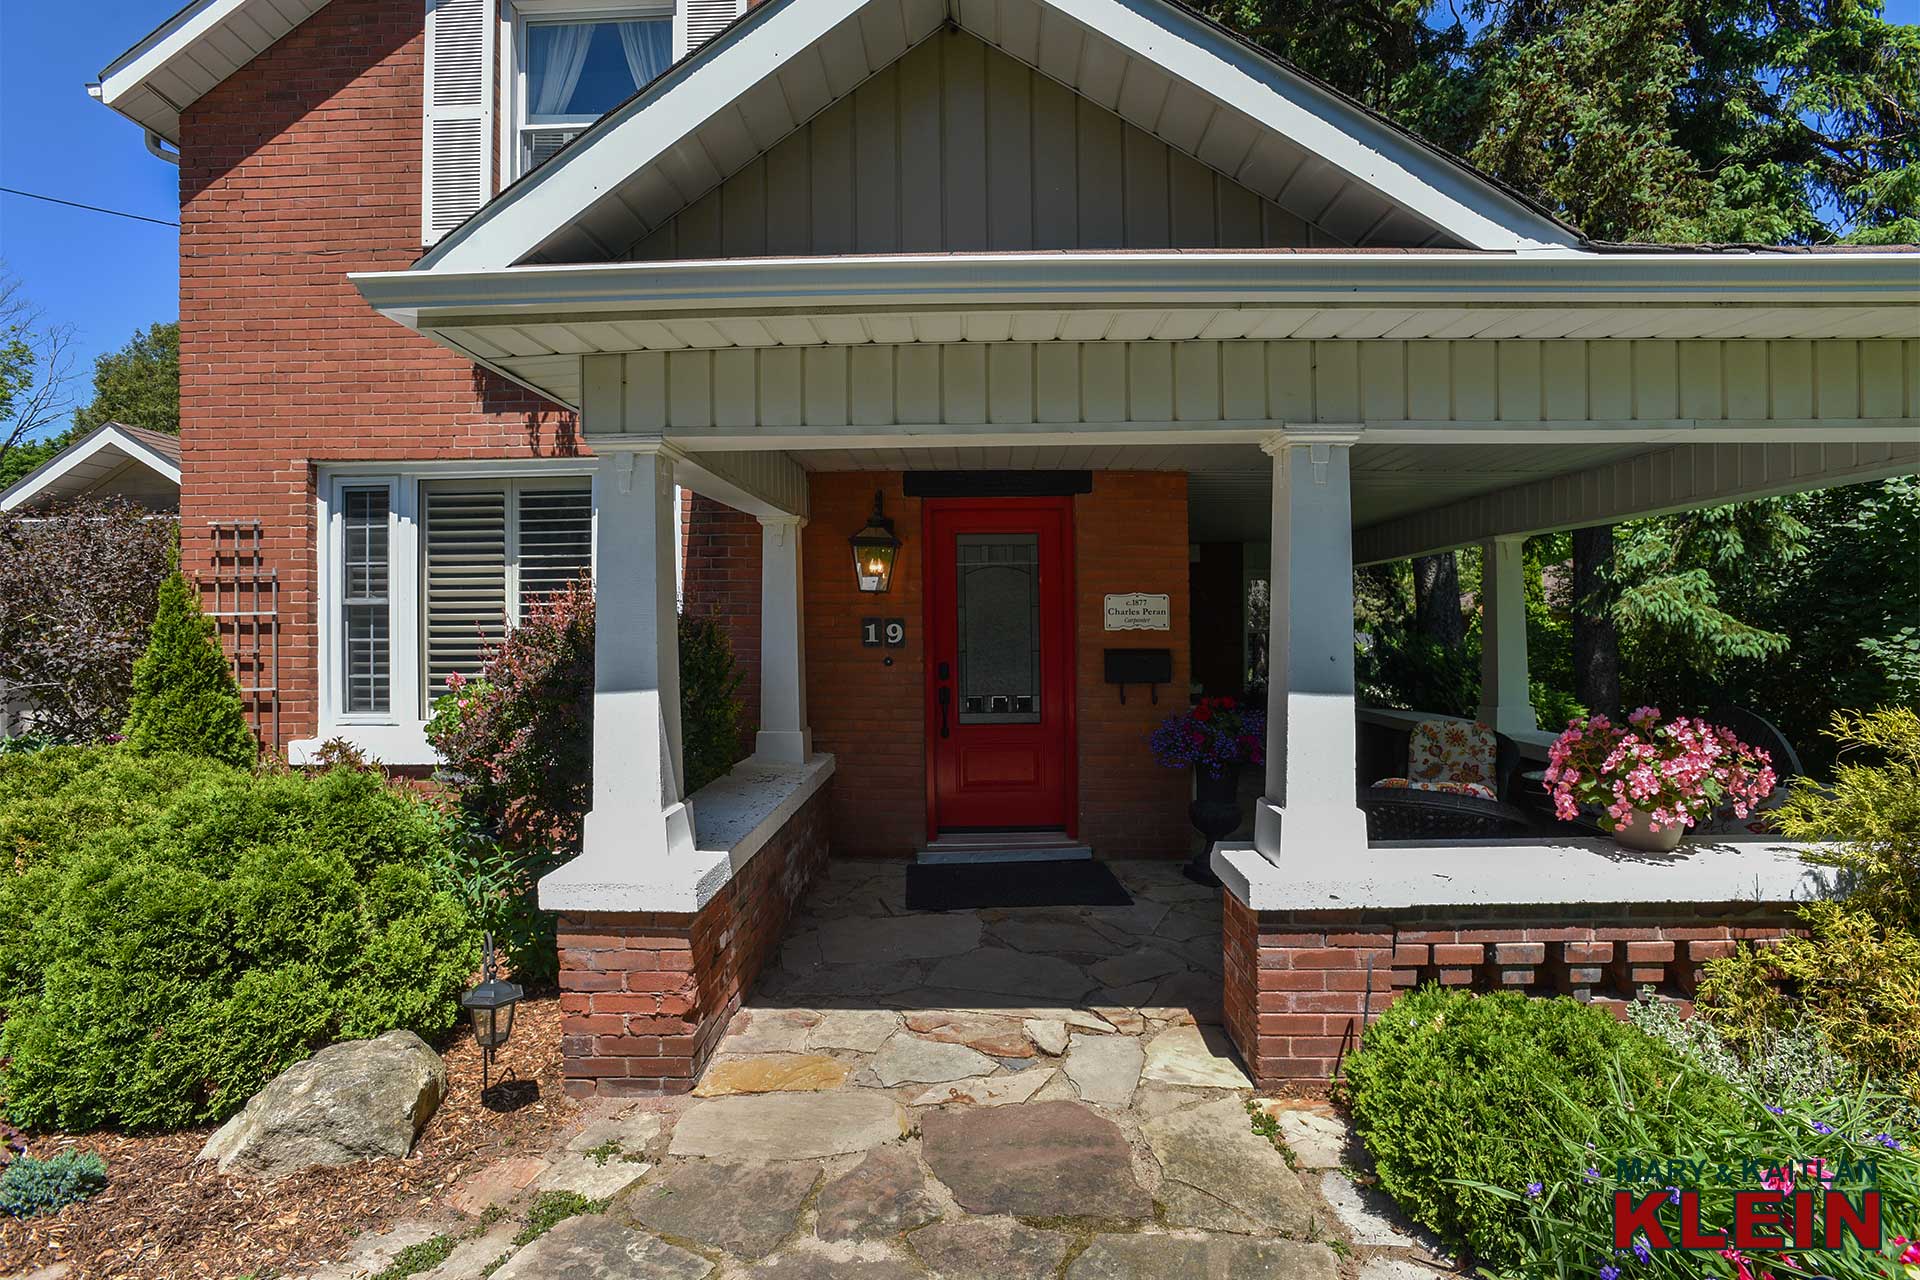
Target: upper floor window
572	68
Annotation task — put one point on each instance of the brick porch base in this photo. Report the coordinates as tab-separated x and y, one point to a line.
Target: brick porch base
647	996
1298	983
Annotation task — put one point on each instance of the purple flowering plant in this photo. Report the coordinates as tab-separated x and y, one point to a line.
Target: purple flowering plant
1214	734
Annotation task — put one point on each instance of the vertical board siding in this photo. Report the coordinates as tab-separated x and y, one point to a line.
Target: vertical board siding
956	148
995	381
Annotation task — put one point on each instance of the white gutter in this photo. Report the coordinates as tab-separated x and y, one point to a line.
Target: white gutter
1570	279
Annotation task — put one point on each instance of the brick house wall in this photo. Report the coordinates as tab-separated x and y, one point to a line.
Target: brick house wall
303	166
1299	986
1130	534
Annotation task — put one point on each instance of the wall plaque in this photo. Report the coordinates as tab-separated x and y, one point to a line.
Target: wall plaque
1139	611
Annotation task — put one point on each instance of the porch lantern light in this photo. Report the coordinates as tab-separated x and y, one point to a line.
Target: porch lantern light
491	1005
873	551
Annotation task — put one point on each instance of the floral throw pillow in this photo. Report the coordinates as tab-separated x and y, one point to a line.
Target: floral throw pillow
1451	751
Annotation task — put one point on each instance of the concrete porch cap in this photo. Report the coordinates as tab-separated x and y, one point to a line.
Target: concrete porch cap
1535	871
736	816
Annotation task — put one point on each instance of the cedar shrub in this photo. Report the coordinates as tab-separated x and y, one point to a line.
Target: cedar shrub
184	694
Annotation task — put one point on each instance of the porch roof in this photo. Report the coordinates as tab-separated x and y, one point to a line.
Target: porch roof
532	323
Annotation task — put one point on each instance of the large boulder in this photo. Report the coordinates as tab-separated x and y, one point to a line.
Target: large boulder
360	1100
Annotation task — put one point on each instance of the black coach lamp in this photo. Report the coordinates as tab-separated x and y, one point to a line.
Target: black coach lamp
873	550
491	1006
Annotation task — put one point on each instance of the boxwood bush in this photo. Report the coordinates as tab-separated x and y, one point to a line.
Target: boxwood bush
174	932
1450	1089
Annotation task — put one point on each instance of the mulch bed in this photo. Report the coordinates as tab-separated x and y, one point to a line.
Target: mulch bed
163	1216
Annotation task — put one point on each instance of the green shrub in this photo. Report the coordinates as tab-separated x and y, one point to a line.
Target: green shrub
709	702
29	1186
1854	979
171	954
184	695
1856	976
1449	1088
1792	1062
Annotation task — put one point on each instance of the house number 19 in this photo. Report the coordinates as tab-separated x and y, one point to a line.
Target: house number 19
891	632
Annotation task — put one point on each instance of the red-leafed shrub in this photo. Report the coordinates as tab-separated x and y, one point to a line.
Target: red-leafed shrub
78	587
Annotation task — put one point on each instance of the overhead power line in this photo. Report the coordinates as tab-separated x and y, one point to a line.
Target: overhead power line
90	208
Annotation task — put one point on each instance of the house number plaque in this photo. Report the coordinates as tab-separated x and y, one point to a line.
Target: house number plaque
891	632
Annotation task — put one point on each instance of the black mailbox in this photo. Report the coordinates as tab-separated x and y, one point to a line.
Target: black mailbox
1151	667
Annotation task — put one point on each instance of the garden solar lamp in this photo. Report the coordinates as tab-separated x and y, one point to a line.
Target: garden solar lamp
491	1006
873	550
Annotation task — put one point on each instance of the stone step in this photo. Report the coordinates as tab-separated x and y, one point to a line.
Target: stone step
1002	846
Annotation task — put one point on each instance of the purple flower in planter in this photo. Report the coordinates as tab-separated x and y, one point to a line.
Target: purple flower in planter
1215	734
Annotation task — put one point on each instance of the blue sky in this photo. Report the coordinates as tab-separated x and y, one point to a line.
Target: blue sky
105	276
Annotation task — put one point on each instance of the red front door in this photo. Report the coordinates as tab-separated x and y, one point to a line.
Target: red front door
999	604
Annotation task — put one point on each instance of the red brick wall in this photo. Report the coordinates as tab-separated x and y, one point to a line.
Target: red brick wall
1130	534
722	581
872	717
301	167
1298	984
646	996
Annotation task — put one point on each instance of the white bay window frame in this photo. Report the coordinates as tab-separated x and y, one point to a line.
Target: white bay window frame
396	736
515	17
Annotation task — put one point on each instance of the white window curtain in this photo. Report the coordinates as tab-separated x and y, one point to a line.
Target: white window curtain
649	49
561	65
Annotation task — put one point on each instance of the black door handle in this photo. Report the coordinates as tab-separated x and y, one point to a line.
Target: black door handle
946	695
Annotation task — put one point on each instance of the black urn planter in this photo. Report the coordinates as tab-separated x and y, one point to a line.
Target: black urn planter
1215	814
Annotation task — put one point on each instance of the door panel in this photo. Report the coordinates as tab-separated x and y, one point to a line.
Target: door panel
1000	663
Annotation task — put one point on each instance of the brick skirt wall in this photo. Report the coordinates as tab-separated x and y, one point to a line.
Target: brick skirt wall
646	996
1300	984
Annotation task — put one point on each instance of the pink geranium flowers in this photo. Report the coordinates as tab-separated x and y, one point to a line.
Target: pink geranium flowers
1677	773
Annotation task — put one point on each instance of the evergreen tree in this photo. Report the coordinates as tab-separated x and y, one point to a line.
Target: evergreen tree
139	384
184	694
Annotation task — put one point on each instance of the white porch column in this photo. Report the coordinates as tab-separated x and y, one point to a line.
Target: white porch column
640	821
784	737
1505	702
1308	810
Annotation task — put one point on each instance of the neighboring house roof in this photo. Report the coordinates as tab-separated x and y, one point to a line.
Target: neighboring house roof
112	460
190	53
1170	72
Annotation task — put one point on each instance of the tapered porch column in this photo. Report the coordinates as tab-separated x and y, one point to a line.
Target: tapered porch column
784	737
640	820
1308	809
1505	701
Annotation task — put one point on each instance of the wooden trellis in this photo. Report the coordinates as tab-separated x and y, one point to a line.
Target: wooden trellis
244	595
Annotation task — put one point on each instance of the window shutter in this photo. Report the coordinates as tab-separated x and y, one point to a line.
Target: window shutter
555	540
697	21
464	580
459	114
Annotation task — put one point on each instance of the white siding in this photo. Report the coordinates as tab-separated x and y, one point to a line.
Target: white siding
1020	383
957	147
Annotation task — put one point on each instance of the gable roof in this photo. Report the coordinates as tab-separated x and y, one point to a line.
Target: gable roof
114	456
1188	81
187	55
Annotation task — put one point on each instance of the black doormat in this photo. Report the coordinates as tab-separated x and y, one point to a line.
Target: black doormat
969	886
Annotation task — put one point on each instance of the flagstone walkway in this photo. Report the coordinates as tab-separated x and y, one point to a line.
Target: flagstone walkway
982	1095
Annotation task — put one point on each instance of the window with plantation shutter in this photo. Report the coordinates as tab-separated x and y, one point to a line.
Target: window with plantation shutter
489	551
366	607
459	114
